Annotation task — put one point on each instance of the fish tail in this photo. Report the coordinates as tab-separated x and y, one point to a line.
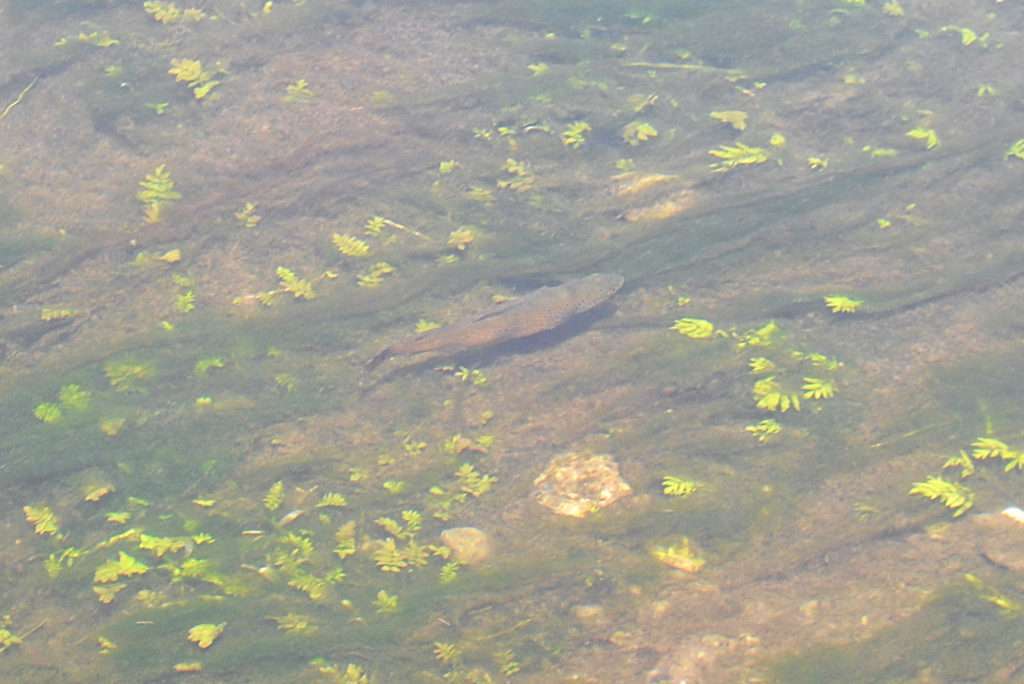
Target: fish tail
379	357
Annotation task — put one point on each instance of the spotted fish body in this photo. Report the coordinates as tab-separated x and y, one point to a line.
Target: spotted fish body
543	309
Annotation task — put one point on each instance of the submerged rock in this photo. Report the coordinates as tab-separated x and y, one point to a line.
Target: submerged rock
469	545
578	484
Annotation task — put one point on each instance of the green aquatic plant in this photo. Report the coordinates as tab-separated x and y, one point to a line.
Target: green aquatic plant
677	486
156	193
764	430
124	376
575	134
522	178
44	520
299	92
734	118
48	412
125	566
350	246
818	388
332	500
447	653
538	69
204	635
892	9
472	482
247	215
1015	150
1006	605
74	397
191	72
817	163
274	497
298	287
294	622
770	396
680	555
842	304
204	365
929	135
951	494
694	328
637	132
760	364
449	572
169	13
737	155
962	461
967	36
374	276
385	602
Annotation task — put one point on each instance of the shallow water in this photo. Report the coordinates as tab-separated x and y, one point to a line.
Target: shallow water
191	438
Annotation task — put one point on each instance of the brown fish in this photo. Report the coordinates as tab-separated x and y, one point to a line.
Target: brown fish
536	312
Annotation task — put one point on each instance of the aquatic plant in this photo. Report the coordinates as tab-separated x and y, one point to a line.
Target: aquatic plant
204	635
385	602
737	155
522	177
247	215
770	396
43	518
962	461
48	412
575	133
124	376
350	246
294	622
929	135
446	167
112	427
538	69
96	492
764	430
967	36
842	304
694	328
951	494
817	163
449	572
299	92
191	72
332	500
680	555
374	276
760	364
204	365
274	497
157	191
734	118
677	486
637	132
169	13
472	482
892	9
1015	150
125	566
818	388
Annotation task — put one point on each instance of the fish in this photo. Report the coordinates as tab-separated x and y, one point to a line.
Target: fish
538	311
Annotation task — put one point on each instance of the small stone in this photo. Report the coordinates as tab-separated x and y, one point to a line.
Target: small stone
469	545
577	484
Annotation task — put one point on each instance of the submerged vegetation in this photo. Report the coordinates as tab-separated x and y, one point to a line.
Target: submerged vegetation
260	496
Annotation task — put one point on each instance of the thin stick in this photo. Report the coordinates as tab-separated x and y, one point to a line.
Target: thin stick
17	100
